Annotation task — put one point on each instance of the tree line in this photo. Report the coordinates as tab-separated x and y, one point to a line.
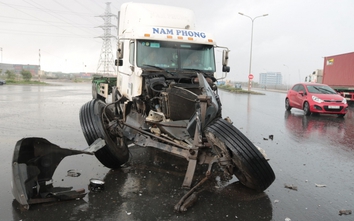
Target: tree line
11	75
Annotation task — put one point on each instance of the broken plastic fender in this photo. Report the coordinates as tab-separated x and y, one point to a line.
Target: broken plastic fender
33	164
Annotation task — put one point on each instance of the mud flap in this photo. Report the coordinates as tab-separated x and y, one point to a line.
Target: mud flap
33	164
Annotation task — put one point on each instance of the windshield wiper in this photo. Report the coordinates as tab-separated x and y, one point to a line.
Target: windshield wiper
193	69
205	74
153	66
158	68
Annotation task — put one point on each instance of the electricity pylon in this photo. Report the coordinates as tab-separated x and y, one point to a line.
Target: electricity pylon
106	62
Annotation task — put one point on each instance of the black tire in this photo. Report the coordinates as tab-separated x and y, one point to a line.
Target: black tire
306	109
116	152
287	104
251	168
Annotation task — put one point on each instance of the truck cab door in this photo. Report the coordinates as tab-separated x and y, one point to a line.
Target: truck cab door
128	81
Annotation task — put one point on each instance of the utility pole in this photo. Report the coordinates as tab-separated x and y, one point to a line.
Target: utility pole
250	76
106	61
39	65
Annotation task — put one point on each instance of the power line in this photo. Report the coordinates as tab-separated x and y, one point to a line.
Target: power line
84	6
11	31
37	22
51	10
40	19
99	5
52	14
68	9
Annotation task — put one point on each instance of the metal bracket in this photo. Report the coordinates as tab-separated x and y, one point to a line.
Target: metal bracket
95	146
146	141
194	151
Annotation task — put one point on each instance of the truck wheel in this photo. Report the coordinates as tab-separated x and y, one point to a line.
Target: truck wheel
287	105
94	125
307	109
250	166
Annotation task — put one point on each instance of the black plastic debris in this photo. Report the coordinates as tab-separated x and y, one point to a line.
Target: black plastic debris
290	186
33	165
73	173
345	212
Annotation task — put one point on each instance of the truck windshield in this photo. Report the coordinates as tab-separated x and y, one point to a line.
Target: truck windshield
173	55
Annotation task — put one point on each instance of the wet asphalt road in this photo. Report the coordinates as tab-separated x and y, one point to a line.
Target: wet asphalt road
305	151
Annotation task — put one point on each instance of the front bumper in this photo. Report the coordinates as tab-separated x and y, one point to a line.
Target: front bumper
324	108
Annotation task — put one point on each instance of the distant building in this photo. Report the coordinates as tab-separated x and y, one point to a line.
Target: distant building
220	82
35	69
270	79
17	68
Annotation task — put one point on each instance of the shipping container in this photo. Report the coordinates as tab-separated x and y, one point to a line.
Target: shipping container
338	73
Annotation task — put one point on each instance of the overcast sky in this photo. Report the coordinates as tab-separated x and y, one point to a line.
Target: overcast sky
292	39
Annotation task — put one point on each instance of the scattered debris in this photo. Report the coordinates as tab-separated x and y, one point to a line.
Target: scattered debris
263	153
287	219
345	212
126	169
320	185
228	120
73	173
96	185
291	187
190	197
269	137
189	202
276	201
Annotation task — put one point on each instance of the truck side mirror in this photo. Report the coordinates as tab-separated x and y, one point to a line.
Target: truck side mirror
225	68
225	57
118	62
120	50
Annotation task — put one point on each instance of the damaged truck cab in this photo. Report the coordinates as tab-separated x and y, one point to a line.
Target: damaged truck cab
165	97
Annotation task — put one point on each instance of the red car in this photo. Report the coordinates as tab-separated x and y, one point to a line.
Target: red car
316	98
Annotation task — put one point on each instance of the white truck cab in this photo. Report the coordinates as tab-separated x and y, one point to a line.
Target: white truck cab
163	38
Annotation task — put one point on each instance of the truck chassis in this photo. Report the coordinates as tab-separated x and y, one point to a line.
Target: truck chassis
203	137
